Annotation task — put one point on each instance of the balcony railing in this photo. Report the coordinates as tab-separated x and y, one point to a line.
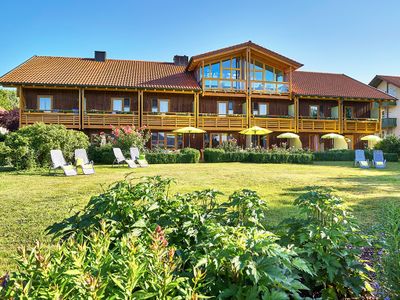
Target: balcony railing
361	125
68	118
225	122
168	120
269	87
239	85
318	125
228	85
276	123
107	119
389	122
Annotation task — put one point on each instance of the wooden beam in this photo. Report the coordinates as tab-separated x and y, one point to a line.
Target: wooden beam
21	104
296	114
380	118
341	116
140	113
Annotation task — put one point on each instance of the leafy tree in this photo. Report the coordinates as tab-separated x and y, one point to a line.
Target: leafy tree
8	99
390	144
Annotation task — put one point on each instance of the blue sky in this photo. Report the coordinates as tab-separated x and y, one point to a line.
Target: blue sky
358	38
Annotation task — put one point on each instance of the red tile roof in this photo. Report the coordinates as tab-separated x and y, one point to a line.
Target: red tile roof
334	85
242	46
395	80
47	70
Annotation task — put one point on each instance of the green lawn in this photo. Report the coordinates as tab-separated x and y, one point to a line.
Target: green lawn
32	201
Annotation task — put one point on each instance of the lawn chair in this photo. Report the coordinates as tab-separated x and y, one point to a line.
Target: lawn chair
58	161
360	160
82	160
379	162
140	159
120	158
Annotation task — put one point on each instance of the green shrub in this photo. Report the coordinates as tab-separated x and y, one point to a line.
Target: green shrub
388	265
334	155
187	155
390	144
276	157
4	154
31	145
194	153
330	241
349	155
161	158
212	155
101	154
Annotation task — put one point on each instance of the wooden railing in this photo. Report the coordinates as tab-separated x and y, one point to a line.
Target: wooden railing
106	120
318	125
227	85
225	122
269	87
361	126
169	120
274	123
69	119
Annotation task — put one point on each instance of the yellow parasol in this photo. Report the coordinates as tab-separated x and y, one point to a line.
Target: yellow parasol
339	141
189	130
255	130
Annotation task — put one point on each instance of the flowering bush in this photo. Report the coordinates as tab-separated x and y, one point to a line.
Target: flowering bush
125	137
10	119
3	132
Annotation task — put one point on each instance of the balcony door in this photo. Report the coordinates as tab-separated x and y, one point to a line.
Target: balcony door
225	108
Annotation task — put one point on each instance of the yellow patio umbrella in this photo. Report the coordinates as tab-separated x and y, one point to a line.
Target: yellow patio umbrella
294	139
189	130
288	135
372	140
339	141
255	130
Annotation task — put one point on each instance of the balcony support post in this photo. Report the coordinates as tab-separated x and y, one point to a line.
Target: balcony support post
380	118
21	103
248	110
341	116
296	114
196	109
140	108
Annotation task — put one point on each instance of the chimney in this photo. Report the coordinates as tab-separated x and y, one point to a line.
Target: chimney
181	60
100	55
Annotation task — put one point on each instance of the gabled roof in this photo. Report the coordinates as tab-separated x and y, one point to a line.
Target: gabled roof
334	85
86	72
243	46
395	80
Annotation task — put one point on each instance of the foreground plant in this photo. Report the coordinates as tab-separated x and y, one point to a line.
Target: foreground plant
330	241
136	241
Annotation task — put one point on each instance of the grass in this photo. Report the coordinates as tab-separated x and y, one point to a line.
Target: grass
31	201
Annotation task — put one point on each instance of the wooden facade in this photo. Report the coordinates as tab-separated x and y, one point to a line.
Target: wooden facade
238	88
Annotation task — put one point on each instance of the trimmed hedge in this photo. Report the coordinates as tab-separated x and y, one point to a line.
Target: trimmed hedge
101	154
185	156
349	155
219	155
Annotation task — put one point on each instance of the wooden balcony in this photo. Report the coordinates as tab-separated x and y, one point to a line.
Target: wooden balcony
318	125
361	126
274	123
168	121
68	119
107	119
222	122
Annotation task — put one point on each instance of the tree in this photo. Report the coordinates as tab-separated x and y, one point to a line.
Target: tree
8	99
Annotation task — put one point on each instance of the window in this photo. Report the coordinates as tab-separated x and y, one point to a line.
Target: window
348	112
264	72
314	111
121	104
392	90
160	105
224	108
45	103
166	140
260	109
263	109
217	139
